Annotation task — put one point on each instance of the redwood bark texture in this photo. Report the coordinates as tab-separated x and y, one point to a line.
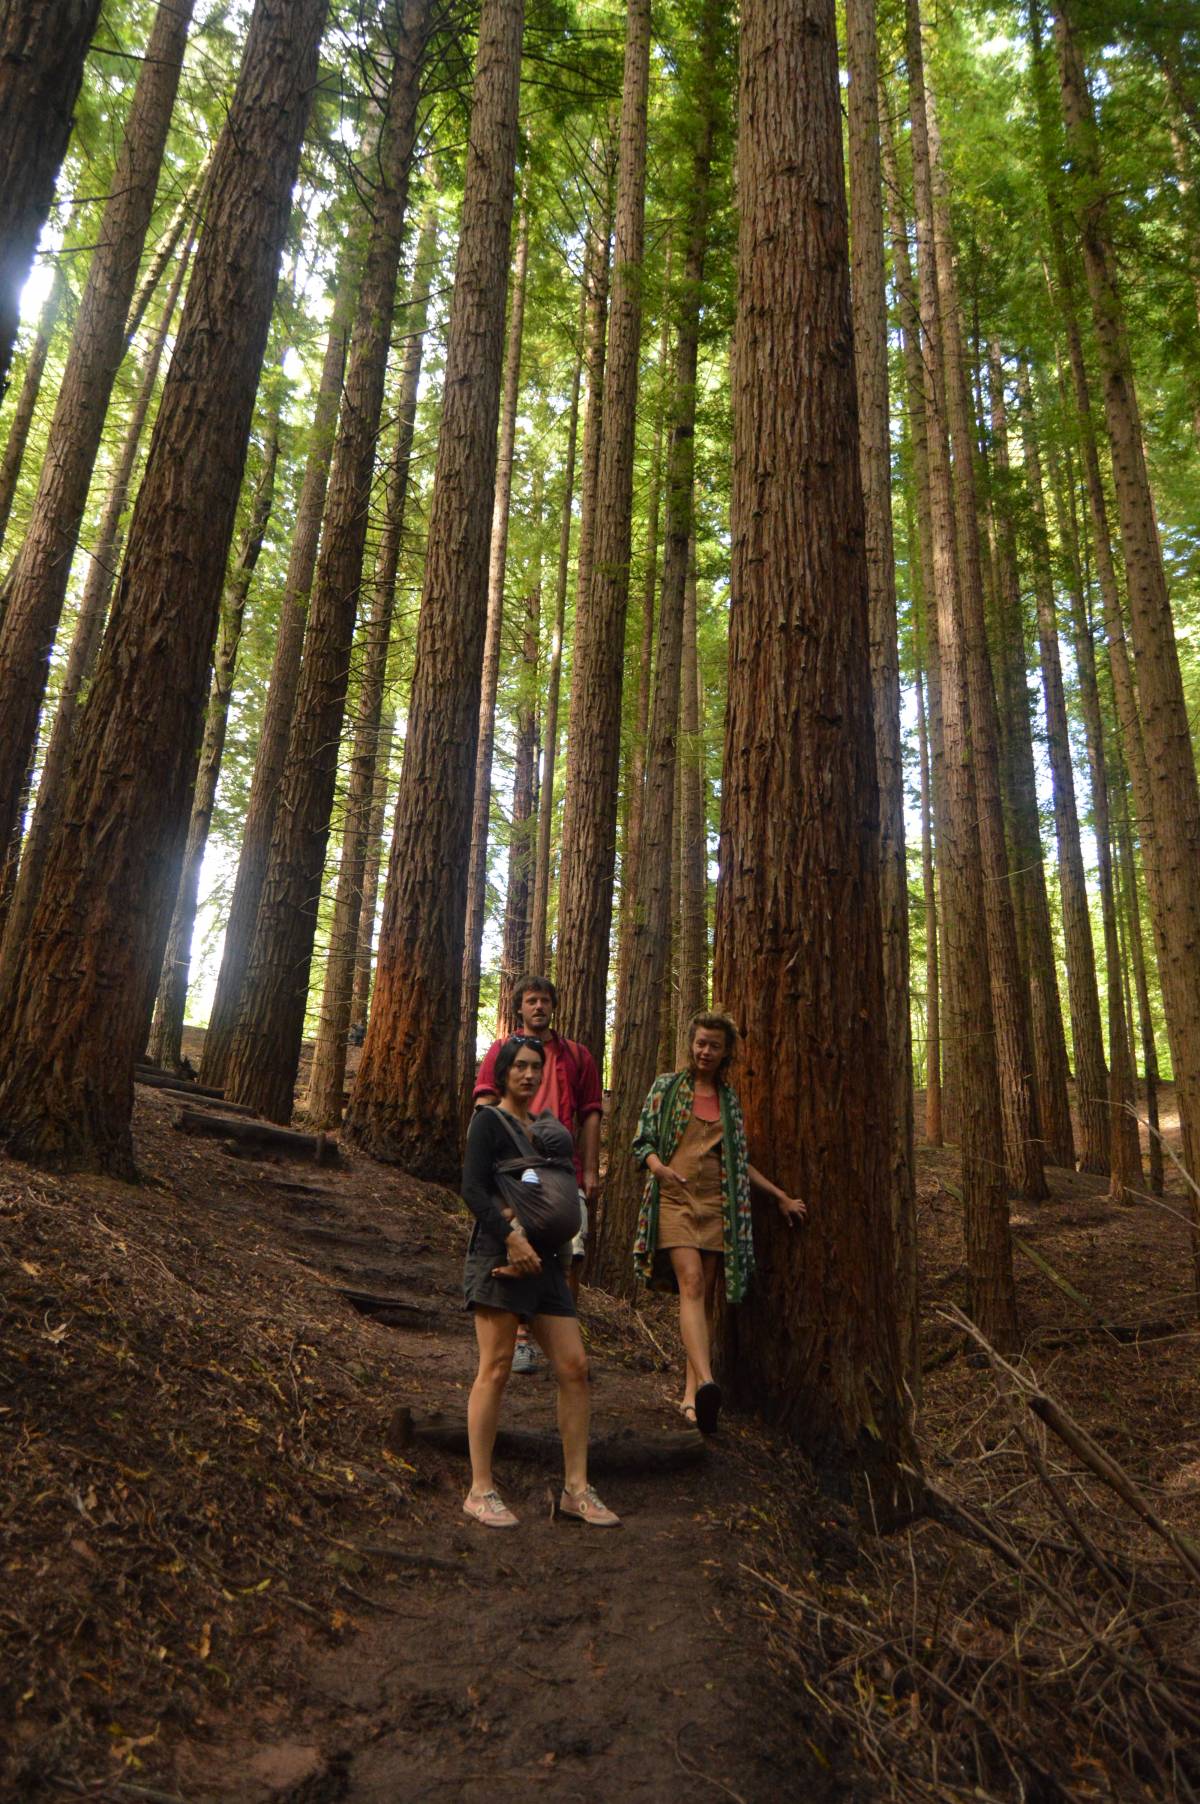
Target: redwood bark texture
77	1004
799	958
875	457
31	382
693	825
594	727
640	1010
42	52
404	1105
992	1294
327	1075
536	954
1169	817
166	1031
34	590
281	700
264	1056
1091	1074
1027	861
481	810
103	561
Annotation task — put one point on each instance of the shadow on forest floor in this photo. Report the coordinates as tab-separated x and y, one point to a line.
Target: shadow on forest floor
221	1584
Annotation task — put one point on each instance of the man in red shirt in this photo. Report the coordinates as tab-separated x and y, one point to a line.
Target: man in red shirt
570	1089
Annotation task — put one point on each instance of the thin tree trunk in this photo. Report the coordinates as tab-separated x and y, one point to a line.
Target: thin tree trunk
364	962
693	827
35	587
104	559
405	1104
594	728
1137	952
596	362
919	436
514	946
1091	1077
77	1004
992	1294
166	1032
1020	781
541	875
869	302
635	776
799	959
933	1026
1010	1003
281	696
264	1055
640	1010
327	1074
1124	1146
481	812
42	51
1170	829
31	382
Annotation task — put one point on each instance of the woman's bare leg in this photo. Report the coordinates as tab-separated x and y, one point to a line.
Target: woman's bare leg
496	1333
688	1265
560	1340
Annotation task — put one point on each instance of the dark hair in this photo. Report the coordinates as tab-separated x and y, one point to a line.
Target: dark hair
715	1023
522	987
508	1053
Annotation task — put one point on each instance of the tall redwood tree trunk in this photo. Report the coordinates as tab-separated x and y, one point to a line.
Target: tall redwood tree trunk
799	959
640	1009
405	1104
1170	825
538	949
869	303
281	698
1028	854
264	1055
104	559
1010	1008
594	728
42	51
327	1076
1091	1074
992	1294
481	810
31	383
34	589
77	1004
166	1029
693	824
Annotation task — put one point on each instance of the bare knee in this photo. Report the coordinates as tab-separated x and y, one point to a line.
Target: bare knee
691	1284
572	1368
494	1371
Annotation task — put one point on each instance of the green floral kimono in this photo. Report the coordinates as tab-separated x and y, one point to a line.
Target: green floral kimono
661	1127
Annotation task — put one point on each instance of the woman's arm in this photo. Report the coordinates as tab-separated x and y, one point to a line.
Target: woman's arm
791	1207
486	1141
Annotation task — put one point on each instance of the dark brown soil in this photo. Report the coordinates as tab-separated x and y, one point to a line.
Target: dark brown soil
220	1585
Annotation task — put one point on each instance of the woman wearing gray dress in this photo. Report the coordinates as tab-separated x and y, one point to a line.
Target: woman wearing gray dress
512	1274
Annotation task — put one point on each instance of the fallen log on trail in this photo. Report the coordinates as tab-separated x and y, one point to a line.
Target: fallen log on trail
260	1135
163	1080
392	1312
623	1451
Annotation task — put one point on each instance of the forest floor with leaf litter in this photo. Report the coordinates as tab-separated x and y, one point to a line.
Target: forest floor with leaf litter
221	1583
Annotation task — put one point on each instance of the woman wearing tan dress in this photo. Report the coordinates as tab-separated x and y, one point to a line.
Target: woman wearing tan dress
695	1215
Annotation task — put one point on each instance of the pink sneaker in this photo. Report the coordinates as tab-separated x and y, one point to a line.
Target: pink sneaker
490	1509
587	1507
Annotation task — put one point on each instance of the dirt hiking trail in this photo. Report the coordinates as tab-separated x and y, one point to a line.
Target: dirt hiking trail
310	1617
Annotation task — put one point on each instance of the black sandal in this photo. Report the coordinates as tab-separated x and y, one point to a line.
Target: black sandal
708	1408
